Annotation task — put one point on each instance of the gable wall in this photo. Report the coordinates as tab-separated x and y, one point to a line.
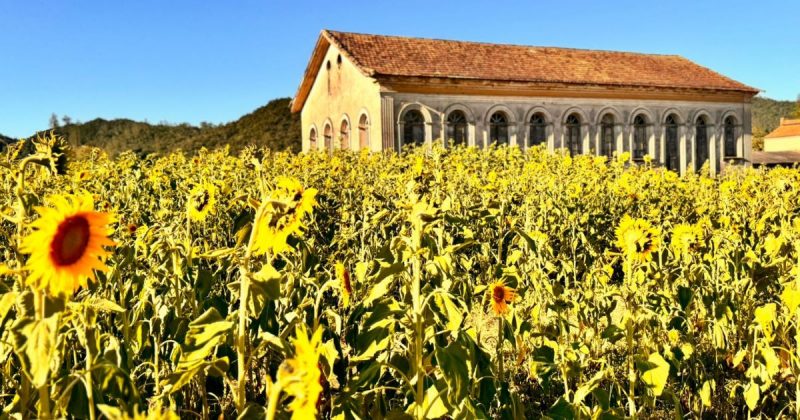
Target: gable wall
339	93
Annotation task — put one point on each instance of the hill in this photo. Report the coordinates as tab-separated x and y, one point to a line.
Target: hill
767	114
271	125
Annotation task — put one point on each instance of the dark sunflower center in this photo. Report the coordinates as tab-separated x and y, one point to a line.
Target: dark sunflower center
346	281
499	294
70	240
201	201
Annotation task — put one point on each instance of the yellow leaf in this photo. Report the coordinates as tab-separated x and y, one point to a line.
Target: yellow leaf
656	378
751	394
765	316
791	298
705	392
771	360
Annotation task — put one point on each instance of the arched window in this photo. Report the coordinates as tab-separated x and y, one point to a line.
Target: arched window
312	139
328	75
607	140
730	137
457	128
572	135
538	134
498	128
672	157
639	137
363	132
328	134
413	128
700	142
344	135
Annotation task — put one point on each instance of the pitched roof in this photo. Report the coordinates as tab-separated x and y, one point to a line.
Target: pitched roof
788	128
394	56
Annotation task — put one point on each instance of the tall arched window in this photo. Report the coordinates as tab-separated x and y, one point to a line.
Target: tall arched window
498	128
363	132
700	142
672	157
457	128
572	135
344	135
538	134
413	128
607	140
328	134
730	137
312	139
639	137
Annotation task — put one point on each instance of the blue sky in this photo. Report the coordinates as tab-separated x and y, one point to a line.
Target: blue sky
193	61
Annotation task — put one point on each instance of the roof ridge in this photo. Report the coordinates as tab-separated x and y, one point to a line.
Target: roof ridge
494	44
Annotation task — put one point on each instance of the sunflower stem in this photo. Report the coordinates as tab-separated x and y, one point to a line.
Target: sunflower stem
272	404
500	348
244	290
44	395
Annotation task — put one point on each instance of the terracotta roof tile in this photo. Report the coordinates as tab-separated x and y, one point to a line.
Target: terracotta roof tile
774	158
788	128
401	56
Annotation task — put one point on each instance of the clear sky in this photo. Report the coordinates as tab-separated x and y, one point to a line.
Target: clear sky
193	61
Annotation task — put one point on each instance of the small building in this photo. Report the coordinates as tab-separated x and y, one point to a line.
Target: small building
381	93
785	138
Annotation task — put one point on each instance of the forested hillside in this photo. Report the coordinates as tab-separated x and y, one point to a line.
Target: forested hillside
271	125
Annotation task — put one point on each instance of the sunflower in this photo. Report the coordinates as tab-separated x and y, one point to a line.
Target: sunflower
281	216
500	296
684	239
637	238
300	377
344	283
66	245
202	199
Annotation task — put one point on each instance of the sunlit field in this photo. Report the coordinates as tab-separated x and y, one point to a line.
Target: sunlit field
454	283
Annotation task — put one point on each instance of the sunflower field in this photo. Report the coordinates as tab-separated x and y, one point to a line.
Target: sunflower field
441	283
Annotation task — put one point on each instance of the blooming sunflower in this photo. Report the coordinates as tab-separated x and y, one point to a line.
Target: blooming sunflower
637	238
500	297
344	283
282	215
202	199
300	377
66	245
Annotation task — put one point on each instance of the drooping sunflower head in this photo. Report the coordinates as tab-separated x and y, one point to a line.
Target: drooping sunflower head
202	199
637	239
684	239
500	296
343	276
67	244
281	215
301	375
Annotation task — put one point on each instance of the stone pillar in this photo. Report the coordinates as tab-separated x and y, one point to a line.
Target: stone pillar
387	124
683	155
713	149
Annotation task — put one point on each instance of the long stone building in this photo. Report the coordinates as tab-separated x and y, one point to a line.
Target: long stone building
386	93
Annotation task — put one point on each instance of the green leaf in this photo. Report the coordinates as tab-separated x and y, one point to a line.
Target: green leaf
36	340
452	312
432	404
453	363
205	333
705	392
657	373
588	387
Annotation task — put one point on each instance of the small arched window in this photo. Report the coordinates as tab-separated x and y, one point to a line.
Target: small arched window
730	137
607	140
457	128
639	137
498	128
312	139
328	75
572	135
344	135
672	157
701	142
328	134
413	128
363	132
538	131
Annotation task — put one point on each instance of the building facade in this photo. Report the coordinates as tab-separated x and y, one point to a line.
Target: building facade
386	93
